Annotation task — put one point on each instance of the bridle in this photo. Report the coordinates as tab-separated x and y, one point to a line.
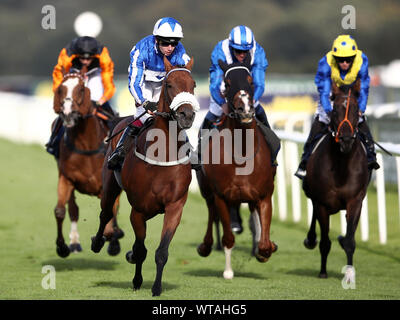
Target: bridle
233	113
345	120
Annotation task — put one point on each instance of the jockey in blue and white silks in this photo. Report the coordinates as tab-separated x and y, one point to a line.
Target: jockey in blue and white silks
239	44
146	73
343	65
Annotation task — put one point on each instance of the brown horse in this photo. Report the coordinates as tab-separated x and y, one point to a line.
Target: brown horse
230	179
80	159
337	176
155	182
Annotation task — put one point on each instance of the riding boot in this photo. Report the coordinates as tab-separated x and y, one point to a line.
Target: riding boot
366	138
316	129
53	143
116	159
262	116
196	156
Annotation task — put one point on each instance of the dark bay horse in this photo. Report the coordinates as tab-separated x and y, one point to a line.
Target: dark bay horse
228	178
155	182
80	160
337	176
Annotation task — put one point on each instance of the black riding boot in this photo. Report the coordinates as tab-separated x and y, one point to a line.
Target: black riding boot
116	159
317	129
196	157
53	143
369	145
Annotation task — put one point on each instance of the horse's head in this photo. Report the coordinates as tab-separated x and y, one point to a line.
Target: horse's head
72	99
178	94
345	115
239	89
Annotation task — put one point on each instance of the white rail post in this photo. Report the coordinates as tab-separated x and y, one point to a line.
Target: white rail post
343	222
380	189
398	180
364	220
281	187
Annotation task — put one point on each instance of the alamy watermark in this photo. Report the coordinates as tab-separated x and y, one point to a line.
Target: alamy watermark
49	280
238	147
349	20
349	279
49	19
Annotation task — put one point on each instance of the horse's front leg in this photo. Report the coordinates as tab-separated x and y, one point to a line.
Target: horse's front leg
64	191
139	251
311	241
172	217
204	249
111	190
265	246
113	233
325	244
73	210
348	243
228	239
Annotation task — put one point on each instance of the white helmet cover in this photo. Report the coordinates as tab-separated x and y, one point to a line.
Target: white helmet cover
168	28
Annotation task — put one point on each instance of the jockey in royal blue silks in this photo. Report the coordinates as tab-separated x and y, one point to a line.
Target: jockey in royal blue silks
344	65
240	43
146	73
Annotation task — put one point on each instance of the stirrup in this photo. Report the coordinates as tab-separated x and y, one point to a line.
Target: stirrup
116	159
300	173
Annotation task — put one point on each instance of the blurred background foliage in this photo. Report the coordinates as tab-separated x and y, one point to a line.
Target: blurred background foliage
294	34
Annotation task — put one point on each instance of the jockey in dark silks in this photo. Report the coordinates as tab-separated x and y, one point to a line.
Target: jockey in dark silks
85	51
344	65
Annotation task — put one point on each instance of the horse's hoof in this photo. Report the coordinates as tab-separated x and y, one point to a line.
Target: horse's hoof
204	250
63	251
323	275
275	248
261	258
341	241
118	234
137	282
75	247
228	274
114	248
309	245
156	290
236	227
97	244
129	257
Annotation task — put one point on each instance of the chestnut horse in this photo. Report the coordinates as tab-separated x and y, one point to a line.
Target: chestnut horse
80	160
337	176
230	179
153	183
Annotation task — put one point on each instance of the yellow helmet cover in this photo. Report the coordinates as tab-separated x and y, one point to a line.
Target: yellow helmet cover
344	46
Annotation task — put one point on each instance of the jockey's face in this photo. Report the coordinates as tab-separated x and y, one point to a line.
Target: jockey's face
240	55
344	63
167	48
85	61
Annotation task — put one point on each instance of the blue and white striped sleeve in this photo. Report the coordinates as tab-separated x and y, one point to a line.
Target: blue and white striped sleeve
216	75
135	77
258	72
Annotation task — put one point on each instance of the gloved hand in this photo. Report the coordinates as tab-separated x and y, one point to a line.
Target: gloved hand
150	106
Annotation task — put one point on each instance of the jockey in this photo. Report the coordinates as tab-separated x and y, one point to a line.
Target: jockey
146	73
344	64
240	43
80	52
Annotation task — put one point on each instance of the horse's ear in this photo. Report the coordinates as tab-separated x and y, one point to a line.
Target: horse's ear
335	89
356	87
84	70
223	65
247	61
189	65
57	100
167	65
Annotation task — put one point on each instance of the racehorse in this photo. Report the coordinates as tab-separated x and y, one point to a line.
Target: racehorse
224	183
80	160
337	176
153	183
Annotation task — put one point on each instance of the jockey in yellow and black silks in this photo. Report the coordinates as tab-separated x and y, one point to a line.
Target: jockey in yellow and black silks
344	64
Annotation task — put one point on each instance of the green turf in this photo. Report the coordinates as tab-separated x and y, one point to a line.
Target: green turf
28	232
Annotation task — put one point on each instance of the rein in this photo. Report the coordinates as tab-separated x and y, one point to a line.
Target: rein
345	120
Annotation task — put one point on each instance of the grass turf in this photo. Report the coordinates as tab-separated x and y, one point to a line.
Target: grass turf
28	232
